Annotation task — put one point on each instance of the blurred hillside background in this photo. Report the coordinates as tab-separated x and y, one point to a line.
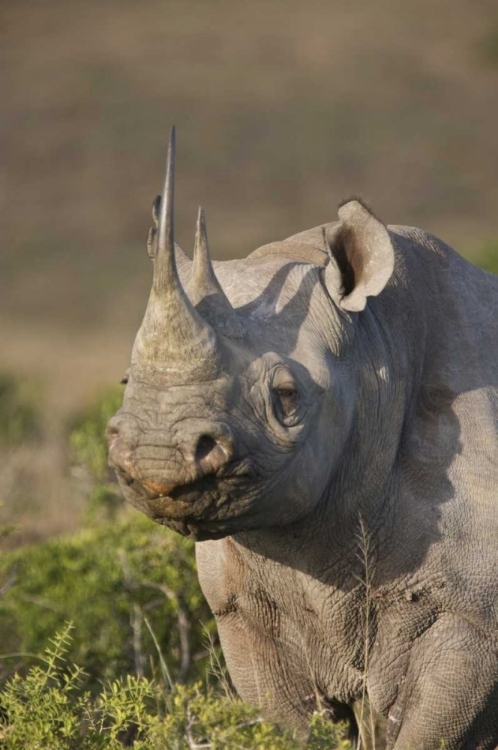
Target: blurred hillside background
282	107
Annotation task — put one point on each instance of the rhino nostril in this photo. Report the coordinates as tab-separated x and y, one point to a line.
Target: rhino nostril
205	445
212	452
112	431
127	478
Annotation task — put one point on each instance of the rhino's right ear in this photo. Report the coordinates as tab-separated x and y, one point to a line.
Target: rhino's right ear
361	257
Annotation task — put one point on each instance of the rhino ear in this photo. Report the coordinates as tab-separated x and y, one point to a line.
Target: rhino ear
361	257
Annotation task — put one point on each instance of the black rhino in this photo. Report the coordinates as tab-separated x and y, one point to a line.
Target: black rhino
322	418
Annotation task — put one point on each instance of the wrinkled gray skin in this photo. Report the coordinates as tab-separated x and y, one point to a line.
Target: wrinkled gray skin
334	422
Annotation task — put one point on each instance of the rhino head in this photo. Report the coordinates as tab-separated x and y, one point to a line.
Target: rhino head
241	393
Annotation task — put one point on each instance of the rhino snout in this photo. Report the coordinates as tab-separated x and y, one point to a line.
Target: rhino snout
205	450
122	437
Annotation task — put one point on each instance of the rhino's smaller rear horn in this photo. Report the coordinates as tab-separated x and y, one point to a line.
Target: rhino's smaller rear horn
205	286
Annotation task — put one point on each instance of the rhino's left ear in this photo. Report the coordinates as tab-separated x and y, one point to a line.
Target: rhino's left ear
362	257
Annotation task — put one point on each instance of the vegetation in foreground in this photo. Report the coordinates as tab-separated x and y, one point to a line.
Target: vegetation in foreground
47	708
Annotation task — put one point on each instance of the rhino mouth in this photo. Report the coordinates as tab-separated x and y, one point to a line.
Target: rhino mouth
204	508
198	531
199	509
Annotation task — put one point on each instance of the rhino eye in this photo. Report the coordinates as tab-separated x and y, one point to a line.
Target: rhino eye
288	397
285	396
125	378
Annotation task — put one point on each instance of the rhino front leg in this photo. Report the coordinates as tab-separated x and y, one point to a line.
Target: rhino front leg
269	678
450	696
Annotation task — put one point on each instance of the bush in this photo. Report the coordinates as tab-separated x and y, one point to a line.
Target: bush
89	452
121	584
47	709
87	436
20	419
487	256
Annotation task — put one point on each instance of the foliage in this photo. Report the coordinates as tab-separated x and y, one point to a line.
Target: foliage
205	719
6	529
118	582
88	432
48	709
89	449
487	256
19	414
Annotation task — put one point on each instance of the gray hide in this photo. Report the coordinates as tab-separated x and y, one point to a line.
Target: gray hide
322	418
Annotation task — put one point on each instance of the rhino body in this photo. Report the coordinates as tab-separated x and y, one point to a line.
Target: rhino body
322	417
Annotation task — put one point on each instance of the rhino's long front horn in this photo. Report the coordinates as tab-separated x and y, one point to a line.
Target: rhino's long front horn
174	341
165	272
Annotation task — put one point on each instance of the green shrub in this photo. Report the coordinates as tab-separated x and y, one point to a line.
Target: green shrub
47	709
114	581
87	436
6	529
487	256
19	412
89	450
